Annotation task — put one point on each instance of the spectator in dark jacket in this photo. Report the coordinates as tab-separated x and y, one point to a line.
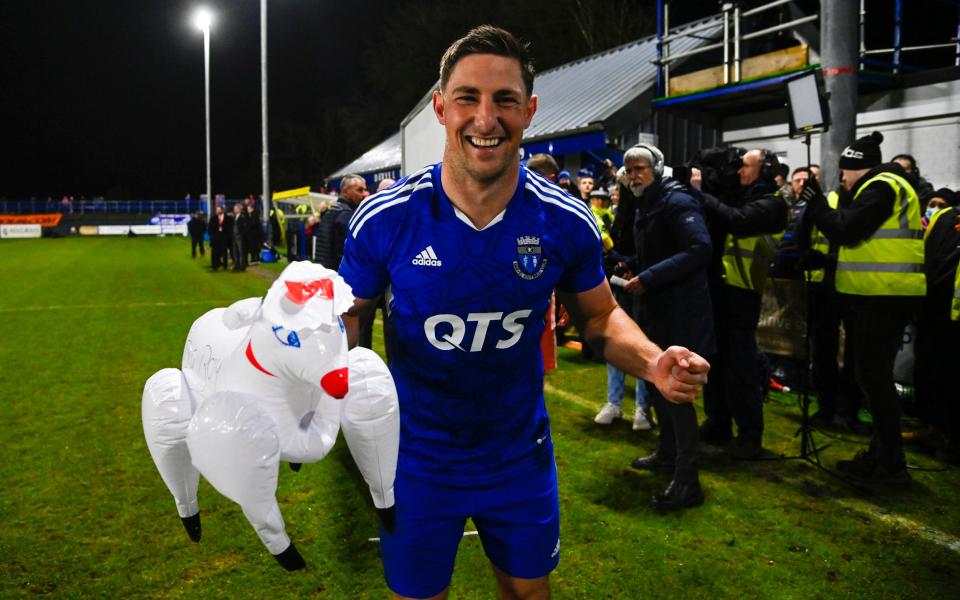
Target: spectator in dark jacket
196	228
331	232
219	228
253	238
238	236
672	256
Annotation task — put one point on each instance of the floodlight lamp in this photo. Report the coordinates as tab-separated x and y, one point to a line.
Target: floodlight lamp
203	18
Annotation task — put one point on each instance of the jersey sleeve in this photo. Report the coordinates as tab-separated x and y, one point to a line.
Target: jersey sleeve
585	259
364	266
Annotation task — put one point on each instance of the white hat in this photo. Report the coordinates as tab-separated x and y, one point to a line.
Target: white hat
306	296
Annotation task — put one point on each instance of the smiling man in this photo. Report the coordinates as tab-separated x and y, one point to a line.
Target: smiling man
468	252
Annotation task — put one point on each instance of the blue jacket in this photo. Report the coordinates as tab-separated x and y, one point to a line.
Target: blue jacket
673	254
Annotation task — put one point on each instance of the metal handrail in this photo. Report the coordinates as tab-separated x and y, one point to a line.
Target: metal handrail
780	27
909	48
730	11
765	7
687	53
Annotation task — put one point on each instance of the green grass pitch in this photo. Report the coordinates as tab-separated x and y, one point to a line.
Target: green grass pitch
83	512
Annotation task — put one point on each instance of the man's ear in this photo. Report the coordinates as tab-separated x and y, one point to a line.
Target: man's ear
438	107
531	110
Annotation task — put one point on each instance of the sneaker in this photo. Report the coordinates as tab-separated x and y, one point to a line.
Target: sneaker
640	420
608	414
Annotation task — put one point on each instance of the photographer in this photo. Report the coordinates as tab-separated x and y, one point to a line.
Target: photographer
673	252
746	220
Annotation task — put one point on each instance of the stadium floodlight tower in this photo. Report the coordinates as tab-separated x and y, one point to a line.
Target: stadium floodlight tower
203	19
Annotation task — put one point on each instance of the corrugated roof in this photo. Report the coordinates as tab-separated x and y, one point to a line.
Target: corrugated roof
385	155
573	96
587	91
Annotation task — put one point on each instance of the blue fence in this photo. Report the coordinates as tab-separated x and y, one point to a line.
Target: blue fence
91	207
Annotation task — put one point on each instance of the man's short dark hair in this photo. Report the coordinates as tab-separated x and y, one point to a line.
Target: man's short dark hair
543	164
803	170
907	157
487	39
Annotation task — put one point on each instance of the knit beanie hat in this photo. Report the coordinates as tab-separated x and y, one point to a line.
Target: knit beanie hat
948	195
863	153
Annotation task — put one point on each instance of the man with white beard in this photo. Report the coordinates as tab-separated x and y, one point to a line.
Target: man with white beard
631	186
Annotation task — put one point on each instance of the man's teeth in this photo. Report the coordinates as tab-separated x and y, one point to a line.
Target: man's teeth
485	142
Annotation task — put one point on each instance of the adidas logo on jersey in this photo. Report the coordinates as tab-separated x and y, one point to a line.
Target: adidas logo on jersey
427	258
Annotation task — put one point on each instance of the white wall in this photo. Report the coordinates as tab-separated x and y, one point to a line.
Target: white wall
923	121
422	141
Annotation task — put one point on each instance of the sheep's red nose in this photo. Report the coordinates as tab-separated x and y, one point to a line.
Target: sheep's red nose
336	383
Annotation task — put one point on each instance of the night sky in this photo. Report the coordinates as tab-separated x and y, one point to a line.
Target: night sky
105	97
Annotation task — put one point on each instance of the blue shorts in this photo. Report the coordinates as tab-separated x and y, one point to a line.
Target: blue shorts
518	522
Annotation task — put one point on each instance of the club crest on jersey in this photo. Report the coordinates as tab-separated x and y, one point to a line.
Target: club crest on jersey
530	262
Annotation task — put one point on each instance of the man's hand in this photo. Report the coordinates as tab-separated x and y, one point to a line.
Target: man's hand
679	374
812	194
634	286
696	178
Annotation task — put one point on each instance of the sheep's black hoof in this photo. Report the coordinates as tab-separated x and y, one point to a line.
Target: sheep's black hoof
295	467
388	516
192	525
290	559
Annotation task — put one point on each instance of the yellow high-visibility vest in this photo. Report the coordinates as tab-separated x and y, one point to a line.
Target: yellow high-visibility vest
933	220
818	241
747	260
955	305
889	262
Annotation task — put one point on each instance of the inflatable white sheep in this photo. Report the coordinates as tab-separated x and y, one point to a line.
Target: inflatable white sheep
267	381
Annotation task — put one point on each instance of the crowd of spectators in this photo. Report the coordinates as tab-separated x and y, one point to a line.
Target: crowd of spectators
705	242
236	236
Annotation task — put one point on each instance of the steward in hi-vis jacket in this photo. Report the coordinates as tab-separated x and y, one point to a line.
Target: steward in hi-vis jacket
880	271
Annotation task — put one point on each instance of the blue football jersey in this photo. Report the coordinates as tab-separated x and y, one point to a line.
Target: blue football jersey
466	310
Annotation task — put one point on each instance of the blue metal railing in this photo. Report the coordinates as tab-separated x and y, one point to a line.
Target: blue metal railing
91	207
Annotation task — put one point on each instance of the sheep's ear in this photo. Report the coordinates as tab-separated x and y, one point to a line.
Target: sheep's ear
242	313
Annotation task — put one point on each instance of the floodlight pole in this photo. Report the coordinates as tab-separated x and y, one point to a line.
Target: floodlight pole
265	198
206	87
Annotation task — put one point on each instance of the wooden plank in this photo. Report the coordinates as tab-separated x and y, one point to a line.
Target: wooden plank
771	63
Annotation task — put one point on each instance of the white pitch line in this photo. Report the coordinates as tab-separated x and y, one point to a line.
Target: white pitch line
928	533
918	529
13	309
465	534
570	396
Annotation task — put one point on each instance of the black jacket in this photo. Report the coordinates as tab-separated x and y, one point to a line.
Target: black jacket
331	233
857	221
220	234
940	255
756	210
196	227
672	255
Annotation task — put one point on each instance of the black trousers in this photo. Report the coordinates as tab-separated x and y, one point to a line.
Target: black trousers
679	439
733	389
218	253
194	244
934	375
878	335
837	392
